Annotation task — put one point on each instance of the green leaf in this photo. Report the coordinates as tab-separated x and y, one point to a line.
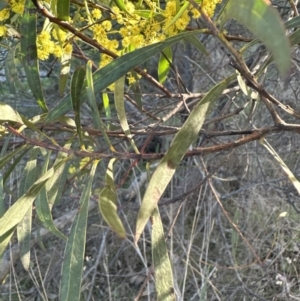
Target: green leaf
77	84
63	9
162	266
74	253
292	23
29	53
25	225
11	72
7	113
196	43
98	124
64	72
42	203
164	64
180	144
116	69
108	202
105	100
120	108
264	21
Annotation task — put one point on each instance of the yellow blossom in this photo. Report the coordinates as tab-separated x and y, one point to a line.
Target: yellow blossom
3	30
4	14
106	25
17	6
57	51
68	48
96	13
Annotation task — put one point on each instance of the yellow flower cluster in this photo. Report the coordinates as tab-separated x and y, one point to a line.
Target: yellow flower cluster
133	28
57	44
15	6
209	6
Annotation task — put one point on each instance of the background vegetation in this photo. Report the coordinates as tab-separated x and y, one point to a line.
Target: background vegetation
149	150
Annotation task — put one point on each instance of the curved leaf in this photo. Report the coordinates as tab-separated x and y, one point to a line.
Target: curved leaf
162	266
167	166
25	225
98	124
120	108
29	54
108	203
74	253
77	84
164	64
264	21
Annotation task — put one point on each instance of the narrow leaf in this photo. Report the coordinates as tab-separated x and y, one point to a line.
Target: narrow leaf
74	253
264	21
77	83
196	43
120	108
162	266
42	205
29	53
167	166
164	64
64	72
24	227
63	9
108	202
98	124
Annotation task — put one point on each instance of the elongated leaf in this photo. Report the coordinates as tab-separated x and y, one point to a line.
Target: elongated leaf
164	64
264	21
196	43
11	73
162	266
120	108
29	54
42	203
167	166
108	202
24	227
63	9
2	204
7	113
77	84
106	105
98	124
74	253
116	69
292	23
64	72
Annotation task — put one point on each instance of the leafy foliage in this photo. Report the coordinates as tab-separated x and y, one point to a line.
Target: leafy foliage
90	123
